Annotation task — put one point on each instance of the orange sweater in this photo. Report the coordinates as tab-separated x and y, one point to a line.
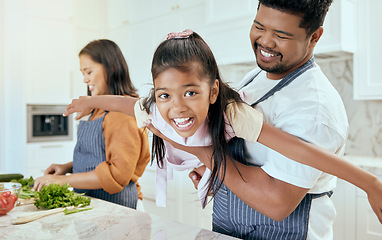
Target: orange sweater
127	152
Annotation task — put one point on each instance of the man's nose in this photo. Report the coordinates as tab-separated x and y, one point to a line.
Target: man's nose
266	40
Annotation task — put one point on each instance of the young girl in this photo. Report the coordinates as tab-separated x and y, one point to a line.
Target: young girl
190	102
111	151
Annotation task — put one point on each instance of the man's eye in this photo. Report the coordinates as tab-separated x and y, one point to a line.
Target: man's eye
259	28
281	37
189	94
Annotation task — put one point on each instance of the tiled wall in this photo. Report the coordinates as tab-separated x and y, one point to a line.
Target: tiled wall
365	117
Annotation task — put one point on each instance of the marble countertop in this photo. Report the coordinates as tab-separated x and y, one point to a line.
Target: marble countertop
105	221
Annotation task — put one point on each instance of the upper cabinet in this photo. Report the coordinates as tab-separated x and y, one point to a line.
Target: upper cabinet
367	79
49	38
339	32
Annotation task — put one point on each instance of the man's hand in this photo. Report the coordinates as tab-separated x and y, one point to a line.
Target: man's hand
197	174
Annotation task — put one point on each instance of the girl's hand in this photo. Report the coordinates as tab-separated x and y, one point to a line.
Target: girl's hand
375	199
80	105
48	179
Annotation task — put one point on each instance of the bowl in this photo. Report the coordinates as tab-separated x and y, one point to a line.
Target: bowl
9	193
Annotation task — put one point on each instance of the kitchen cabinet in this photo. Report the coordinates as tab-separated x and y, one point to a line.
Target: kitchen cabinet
183	204
355	219
339	33
39	156
367	78
48	80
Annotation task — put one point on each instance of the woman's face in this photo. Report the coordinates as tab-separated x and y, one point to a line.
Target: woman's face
183	99
94	75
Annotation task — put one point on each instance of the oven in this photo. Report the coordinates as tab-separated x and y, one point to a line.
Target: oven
45	123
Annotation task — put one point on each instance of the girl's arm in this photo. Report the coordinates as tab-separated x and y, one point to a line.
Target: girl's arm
294	148
85	104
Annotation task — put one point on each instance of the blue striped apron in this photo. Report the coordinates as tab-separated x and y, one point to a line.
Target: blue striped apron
233	217
89	153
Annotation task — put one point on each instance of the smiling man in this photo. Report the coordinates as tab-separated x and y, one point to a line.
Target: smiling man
292	200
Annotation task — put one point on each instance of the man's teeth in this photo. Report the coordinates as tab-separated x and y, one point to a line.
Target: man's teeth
183	122
266	54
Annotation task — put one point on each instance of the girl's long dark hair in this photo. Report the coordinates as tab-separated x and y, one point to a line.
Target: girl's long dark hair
193	55
107	53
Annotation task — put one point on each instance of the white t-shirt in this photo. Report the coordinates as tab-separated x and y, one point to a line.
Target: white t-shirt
311	109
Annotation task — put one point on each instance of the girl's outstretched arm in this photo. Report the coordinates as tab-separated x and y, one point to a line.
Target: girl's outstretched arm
115	103
293	148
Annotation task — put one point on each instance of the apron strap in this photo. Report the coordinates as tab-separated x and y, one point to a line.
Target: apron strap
285	81
314	195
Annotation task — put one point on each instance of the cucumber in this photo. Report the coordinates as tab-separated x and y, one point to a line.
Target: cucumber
10	176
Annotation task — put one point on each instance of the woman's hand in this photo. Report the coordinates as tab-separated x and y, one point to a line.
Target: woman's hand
58	169
48	179
80	105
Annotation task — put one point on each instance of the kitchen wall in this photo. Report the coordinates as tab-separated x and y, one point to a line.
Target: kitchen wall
365	117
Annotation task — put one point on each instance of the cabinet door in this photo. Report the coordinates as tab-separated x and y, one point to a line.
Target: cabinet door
39	156
49	78
367	78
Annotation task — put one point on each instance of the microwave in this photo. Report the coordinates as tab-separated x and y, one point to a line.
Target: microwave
45	123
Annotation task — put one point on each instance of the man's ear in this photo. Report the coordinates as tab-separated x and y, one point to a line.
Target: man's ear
316	35
214	91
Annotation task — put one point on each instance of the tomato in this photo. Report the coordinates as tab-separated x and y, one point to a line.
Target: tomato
10	203
6	194
3	202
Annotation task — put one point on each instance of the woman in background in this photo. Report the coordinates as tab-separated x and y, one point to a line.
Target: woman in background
111	151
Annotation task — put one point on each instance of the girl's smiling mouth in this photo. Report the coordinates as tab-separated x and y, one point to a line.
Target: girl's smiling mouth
183	123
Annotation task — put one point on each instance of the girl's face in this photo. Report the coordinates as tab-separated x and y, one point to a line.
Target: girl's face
94	75
183	99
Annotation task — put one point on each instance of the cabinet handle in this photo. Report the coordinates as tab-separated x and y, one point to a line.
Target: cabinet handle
51	146
71	84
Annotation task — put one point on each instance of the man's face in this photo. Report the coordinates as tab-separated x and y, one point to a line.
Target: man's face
280	45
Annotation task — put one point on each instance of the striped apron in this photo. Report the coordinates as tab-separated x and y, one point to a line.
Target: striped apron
233	217
89	153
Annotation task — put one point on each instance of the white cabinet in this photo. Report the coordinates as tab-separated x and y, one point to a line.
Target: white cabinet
367	78
339	32
40	156
48	79
183	204
355	219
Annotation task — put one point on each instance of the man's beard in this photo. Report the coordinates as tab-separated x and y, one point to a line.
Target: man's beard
276	69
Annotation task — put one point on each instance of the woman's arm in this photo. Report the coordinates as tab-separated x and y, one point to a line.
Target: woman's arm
85	104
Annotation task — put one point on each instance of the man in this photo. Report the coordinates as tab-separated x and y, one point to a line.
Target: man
272	202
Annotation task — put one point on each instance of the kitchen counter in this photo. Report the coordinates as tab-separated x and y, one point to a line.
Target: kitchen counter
105	221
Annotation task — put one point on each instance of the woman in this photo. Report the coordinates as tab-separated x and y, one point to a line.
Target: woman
111	151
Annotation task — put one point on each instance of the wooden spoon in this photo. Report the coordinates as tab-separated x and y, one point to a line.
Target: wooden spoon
35	216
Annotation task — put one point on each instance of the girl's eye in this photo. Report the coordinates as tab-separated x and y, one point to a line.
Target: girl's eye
164	96
189	94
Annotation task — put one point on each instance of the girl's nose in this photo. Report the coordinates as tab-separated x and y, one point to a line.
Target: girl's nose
178	104
86	80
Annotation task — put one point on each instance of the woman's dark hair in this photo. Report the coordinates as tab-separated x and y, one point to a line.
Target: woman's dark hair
108	54
193	55
312	12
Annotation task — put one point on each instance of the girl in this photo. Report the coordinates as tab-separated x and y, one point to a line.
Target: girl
111	151
191	98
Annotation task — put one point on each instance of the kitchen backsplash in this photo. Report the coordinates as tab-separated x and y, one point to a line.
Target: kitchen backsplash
365	117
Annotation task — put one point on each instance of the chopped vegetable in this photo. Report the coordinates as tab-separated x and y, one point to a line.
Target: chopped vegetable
55	196
67	211
26	187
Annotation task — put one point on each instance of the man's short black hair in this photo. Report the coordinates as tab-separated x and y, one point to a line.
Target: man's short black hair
312	12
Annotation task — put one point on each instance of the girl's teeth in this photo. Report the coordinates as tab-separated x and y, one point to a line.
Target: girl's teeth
183	122
266	54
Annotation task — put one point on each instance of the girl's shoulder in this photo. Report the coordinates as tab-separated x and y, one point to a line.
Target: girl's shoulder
246	121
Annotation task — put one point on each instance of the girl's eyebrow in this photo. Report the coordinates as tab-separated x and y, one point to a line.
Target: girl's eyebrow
184	86
278	31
